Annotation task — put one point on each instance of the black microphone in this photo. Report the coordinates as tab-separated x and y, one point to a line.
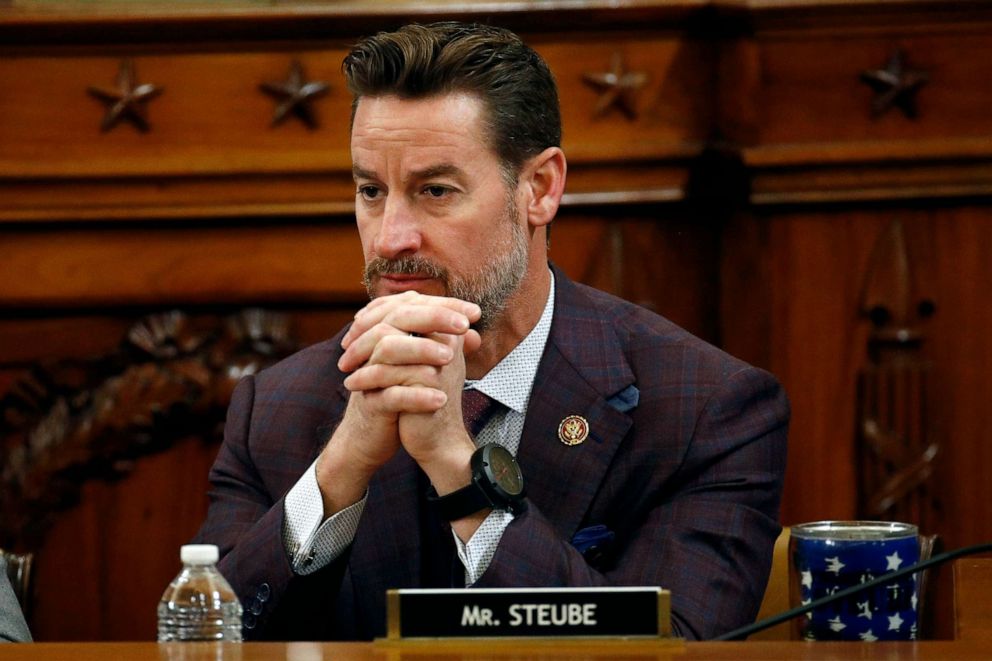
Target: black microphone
743	632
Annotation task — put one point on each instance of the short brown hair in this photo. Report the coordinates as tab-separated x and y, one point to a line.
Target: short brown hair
512	80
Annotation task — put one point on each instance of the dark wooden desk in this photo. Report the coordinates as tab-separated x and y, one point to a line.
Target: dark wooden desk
972	609
489	650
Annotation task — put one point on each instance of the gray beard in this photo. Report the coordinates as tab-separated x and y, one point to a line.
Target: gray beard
490	287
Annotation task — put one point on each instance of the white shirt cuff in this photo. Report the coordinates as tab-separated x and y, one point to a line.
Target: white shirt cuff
309	543
480	549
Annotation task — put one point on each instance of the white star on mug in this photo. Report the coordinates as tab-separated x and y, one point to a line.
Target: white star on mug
836	624
835	565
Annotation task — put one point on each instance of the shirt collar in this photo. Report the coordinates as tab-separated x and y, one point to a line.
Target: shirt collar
511	380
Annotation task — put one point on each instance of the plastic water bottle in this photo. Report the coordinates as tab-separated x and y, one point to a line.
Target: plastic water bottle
199	603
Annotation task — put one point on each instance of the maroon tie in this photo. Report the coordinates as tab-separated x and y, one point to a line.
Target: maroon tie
477	408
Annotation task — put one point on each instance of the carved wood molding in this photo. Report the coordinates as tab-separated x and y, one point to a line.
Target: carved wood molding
169	379
866	174
897	447
294	95
617	87
895	86
128	101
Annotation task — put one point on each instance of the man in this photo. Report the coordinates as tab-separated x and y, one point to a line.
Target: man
649	457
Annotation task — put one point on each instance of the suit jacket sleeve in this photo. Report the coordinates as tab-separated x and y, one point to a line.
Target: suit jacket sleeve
704	530
246	521
13	628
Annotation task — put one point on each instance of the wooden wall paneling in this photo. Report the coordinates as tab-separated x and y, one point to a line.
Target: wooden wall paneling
41	338
210	117
818	342
815	261
116	548
972	608
32	21
177	263
962	358
29	340
83	443
812	92
826	178
672	110
746	315
106	561
657	257
78	418
668	263
212	149
191	197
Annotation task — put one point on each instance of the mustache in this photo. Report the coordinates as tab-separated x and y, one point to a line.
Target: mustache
411	265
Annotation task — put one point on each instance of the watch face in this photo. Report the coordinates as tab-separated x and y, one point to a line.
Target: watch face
504	471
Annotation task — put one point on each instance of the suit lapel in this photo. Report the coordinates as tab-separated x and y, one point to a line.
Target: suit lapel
582	367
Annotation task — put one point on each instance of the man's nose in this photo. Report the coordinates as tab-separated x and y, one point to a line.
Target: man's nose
399	233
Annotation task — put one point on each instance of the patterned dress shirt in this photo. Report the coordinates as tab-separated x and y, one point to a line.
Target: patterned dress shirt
312	542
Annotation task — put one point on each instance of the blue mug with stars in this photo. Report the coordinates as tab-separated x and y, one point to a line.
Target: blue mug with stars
830	556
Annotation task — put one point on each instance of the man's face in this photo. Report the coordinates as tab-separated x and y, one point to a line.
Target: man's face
434	211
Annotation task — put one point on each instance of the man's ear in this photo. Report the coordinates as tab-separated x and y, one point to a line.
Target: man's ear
544	177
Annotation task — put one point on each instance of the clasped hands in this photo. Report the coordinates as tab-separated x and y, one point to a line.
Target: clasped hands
405	359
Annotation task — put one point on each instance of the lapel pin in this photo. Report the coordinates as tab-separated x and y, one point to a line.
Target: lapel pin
573	430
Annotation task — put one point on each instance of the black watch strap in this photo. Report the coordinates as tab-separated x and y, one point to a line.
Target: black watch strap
458	504
496	482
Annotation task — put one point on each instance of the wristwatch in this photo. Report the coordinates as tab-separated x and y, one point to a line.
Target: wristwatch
496	482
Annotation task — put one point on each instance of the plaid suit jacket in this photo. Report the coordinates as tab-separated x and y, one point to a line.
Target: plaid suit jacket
13	628
684	465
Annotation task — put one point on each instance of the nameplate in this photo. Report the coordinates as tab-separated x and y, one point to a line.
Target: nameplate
621	612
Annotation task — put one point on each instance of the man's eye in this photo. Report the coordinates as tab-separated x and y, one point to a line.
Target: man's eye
369	192
436	191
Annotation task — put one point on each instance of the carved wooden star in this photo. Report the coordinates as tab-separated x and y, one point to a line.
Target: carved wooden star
294	96
895	85
617	88
127	102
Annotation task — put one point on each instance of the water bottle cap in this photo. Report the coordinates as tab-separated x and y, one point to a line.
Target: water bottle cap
199	554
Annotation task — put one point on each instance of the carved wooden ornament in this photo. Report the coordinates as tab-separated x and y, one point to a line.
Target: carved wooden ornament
897	447
618	87
171	378
128	101
294	95
895	85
